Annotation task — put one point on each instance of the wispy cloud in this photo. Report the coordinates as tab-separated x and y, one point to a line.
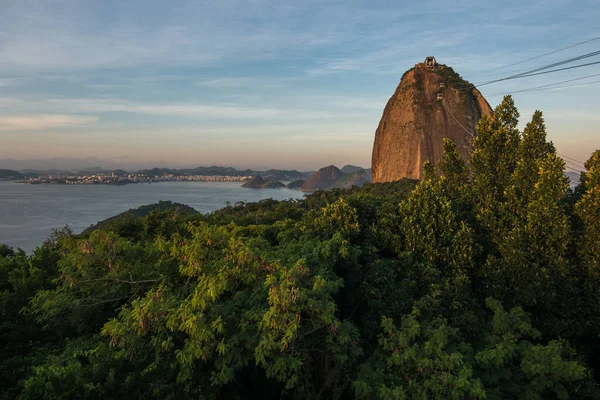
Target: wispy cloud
344	138
198	110
198	34
10	81
43	121
351	102
173	109
573	115
386	57
244	82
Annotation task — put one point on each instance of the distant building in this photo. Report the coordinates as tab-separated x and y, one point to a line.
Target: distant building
430	63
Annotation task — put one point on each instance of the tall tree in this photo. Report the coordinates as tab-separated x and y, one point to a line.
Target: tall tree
493	162
588	210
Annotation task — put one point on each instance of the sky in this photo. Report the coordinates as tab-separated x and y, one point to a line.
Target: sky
267	84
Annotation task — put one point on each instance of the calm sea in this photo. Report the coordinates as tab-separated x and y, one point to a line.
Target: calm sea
28	213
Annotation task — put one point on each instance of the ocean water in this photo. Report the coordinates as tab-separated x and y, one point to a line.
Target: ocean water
28	213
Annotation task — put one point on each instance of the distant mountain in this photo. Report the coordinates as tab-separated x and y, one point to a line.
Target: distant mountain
270	175
325	178
348	169
119	172
297	184
92	170
214	170
9	175
357	178
156	171
86	166
59	163
332	177
38	172
257	182
284	175
100	170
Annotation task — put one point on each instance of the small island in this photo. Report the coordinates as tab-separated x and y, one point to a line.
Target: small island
258	182
296	184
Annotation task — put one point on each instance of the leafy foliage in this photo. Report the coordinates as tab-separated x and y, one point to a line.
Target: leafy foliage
481	282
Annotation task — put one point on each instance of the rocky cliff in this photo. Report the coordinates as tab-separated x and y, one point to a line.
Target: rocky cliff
324	178
429	104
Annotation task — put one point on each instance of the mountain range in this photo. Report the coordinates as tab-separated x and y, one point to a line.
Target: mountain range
325	178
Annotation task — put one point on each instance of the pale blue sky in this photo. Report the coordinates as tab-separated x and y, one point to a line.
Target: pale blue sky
296	84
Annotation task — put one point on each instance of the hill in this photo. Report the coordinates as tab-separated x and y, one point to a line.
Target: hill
283	175
156	171
140	212
119	172
257	182
430	103
332	177
356	178
297	184
9	175
348	169
214	170
91	170
325	178
271	174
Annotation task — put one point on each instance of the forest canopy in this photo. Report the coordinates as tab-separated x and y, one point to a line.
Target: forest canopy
481	281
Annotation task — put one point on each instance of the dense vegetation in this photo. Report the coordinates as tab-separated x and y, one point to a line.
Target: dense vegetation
257	182
482	282
452	79
296	184
131	217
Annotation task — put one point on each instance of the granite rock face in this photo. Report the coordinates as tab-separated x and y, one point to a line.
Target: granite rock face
428	105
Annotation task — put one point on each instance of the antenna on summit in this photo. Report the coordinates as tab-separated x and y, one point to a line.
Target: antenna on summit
429	63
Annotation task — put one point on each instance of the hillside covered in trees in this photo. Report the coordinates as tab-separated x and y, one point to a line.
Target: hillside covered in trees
481	281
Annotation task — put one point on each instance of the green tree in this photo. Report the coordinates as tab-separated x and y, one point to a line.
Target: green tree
454	170
588	211
429	359
300	299
21	276
493	161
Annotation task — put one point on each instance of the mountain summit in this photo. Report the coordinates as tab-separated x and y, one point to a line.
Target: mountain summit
324	178
431	102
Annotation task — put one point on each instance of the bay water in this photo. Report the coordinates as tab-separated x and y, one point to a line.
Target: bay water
28	213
